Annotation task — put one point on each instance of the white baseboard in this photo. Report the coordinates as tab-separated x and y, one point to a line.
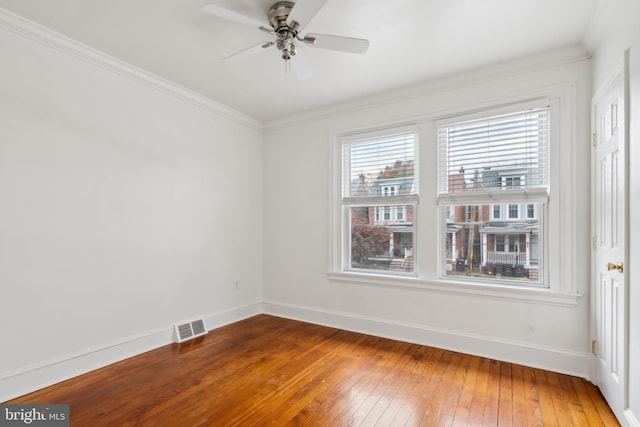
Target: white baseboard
27	380
227	317
551	359
32	378
631	419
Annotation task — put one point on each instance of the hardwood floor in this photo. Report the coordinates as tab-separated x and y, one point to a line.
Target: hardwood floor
272	371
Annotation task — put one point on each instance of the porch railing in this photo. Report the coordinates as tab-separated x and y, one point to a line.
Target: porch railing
506	257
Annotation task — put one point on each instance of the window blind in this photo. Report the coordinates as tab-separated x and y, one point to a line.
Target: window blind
501	153
371	162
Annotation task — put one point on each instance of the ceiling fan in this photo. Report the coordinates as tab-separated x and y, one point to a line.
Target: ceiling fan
287	19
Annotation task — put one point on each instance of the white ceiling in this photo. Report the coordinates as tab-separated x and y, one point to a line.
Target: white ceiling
412	41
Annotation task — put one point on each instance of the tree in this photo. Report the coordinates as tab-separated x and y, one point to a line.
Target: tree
368	241
398	170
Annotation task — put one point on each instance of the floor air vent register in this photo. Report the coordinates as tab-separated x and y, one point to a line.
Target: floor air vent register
189	330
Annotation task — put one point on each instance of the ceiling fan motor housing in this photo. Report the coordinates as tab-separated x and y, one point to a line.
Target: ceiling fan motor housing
286	33
278	15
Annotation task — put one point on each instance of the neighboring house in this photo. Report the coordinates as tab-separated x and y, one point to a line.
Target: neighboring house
390	225
497	239
397	219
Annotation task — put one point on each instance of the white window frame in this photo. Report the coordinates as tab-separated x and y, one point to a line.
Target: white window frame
507	200
388	201
468	212
510	211
493	212
561	235
506	179
508	240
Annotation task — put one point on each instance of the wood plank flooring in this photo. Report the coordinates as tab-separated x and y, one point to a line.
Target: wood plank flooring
272	371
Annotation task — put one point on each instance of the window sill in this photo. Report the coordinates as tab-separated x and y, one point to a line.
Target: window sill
486	290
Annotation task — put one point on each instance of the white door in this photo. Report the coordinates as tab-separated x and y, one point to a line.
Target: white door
609	222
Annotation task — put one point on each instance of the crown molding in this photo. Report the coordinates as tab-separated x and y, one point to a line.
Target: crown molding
492	72
47	37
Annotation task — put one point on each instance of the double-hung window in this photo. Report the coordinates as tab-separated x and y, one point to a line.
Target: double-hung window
493	172
379	201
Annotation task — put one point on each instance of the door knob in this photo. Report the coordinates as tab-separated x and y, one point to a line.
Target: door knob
619	266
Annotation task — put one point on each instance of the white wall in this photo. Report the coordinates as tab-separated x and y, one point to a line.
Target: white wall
126	205
297	170
620	31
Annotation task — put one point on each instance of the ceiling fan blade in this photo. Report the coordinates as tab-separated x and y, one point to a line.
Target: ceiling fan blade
339	43
245	18
304	11
300	66
253	50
